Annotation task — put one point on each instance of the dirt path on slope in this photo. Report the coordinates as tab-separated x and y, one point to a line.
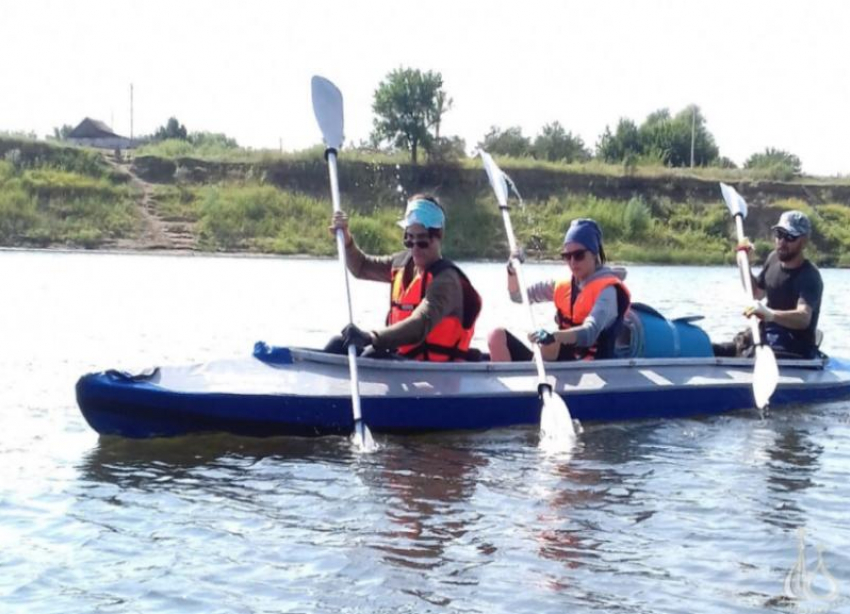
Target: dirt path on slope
158	232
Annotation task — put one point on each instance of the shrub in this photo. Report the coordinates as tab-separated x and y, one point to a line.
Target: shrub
778	164
18	214
637	218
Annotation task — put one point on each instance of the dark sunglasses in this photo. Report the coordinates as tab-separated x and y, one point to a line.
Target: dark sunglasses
420	243
784	236
577	255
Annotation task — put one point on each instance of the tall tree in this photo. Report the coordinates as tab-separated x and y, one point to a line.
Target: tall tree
624	141
669	137
60	134
173	129
408	104
508	142
556	144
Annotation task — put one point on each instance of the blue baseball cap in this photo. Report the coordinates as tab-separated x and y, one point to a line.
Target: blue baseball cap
795	223
586	232
425	212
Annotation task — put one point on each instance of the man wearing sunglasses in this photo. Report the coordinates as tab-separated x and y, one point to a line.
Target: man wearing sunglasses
793	288
433	306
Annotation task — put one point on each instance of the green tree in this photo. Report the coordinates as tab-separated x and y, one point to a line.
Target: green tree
61	134
781	163
173	129
408	104
447	149
670	136
556	144
508	142
214	140
623	143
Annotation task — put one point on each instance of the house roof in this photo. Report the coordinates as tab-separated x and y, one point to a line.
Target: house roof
91	128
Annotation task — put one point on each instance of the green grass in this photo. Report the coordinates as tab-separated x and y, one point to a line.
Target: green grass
177	202
57	195
44	206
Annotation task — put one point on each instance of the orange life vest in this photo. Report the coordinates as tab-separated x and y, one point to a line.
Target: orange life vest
451	337
572	309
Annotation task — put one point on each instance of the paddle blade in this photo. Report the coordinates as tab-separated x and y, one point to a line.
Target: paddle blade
497	179
362	438
327	106
734	201
765	375
557	432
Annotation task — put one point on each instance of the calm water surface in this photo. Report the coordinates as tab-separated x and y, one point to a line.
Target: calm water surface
657	516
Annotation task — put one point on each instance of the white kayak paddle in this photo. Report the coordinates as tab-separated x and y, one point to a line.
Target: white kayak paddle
556	424
327	106
765	371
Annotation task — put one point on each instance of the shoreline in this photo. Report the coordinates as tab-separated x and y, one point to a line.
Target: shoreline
184	253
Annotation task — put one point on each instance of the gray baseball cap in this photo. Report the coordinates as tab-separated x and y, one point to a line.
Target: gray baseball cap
795	223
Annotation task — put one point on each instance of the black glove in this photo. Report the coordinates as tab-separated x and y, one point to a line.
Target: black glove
543	337
351	335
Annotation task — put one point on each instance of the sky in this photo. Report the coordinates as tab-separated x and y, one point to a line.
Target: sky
765	73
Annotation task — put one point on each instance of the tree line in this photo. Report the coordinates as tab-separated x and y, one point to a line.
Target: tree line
409	106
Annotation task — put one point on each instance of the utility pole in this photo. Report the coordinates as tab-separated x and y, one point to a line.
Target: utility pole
693	131
131	113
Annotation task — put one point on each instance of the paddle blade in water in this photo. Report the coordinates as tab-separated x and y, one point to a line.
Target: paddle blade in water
557	432
765	375
362	438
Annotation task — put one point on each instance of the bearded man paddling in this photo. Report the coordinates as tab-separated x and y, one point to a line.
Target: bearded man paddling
793	287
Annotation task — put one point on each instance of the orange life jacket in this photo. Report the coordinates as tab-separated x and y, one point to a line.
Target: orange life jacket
451	337
574	305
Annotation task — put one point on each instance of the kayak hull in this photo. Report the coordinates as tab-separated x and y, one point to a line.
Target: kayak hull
301	392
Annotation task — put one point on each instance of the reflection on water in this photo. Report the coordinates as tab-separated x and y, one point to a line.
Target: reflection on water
792	468
662	516
425	491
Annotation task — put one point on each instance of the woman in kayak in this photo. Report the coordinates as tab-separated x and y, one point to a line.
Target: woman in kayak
433	306
590	304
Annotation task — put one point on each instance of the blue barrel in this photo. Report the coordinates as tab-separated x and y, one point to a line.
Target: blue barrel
648	334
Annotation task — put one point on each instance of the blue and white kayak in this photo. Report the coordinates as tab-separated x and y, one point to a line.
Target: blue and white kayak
293	391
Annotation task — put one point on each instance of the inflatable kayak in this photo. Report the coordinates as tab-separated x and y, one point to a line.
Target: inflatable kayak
292	391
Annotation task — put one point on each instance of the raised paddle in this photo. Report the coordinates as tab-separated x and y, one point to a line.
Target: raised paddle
327	105
765	371
556	423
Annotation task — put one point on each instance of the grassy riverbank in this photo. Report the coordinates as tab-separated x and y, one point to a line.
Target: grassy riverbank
63	197
265	202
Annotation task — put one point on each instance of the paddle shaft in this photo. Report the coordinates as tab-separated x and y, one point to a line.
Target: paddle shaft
746	276
340	248
538	356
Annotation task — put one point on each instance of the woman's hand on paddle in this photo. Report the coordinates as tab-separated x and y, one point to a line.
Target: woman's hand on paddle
541	337
544	337
339	221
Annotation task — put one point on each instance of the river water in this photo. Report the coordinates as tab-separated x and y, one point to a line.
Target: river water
703	515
